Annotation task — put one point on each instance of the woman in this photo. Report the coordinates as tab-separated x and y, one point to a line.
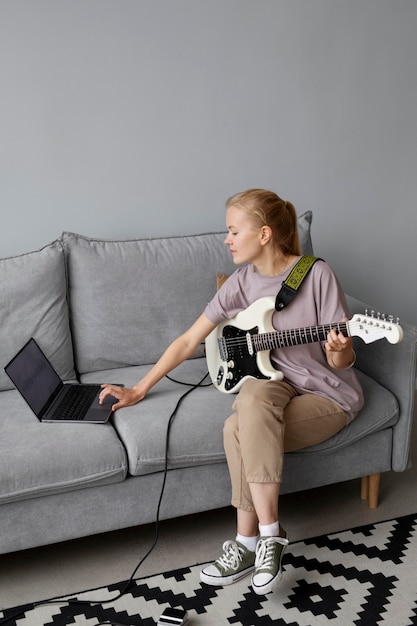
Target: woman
318	396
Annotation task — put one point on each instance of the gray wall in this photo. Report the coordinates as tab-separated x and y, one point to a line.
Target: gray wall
132	118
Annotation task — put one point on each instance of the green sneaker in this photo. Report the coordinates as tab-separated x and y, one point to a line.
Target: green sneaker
235	563
269	552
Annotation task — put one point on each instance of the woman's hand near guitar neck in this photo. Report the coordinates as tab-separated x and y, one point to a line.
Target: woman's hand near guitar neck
339	351
179	350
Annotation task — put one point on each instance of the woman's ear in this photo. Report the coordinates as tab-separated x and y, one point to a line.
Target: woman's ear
266	234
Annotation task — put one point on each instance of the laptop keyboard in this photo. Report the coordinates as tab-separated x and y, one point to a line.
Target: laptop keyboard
76	402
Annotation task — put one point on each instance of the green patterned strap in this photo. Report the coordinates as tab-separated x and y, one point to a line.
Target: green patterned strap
294	280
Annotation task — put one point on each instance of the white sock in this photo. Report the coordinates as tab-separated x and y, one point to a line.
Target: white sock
270	530
248	542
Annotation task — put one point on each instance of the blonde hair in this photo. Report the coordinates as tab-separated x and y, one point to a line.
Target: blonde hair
265	208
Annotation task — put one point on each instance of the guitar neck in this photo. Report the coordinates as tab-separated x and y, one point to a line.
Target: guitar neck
295	336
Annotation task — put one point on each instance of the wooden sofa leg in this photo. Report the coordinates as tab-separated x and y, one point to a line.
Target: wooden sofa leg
370	489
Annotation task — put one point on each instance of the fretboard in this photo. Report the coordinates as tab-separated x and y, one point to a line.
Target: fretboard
295	336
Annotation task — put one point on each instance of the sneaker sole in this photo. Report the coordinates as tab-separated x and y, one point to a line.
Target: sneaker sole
218	581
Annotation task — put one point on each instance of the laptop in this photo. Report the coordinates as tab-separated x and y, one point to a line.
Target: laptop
48	396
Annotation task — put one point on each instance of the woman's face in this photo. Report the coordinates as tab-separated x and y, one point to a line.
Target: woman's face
243	238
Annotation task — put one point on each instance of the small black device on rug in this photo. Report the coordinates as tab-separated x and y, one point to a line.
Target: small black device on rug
173	617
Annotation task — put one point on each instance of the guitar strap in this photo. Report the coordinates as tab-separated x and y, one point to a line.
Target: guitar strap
293	282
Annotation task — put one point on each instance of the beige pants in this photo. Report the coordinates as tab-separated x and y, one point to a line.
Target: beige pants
269	419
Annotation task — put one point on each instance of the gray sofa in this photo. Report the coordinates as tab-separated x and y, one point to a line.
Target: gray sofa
103	311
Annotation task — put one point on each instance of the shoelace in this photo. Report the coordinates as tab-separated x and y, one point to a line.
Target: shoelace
265	551
232	555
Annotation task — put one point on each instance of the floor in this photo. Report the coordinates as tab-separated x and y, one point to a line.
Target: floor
96	561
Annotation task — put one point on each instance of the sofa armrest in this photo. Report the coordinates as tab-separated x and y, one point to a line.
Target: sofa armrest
394	367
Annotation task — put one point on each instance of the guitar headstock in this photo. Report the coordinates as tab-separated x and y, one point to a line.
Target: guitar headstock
375	326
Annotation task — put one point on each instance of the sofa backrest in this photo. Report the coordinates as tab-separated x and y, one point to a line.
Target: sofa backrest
129	299
33	304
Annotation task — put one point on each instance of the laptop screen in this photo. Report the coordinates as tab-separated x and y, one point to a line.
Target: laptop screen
34	377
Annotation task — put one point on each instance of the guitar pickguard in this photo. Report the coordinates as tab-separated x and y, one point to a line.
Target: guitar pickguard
240	362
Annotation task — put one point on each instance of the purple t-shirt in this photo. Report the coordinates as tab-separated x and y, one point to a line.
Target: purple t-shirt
319	301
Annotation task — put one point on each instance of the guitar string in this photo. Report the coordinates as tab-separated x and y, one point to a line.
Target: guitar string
308	333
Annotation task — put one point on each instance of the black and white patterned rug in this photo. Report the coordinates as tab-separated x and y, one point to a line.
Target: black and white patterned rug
362	577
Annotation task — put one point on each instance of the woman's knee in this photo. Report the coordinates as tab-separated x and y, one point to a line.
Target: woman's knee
252	394
258	393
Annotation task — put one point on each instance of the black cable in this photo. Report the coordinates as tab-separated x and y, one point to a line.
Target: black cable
193	385
171	419
129	582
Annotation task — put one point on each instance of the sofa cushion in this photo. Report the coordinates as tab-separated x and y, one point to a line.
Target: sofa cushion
33	304
380	411
304	232
158	288
43	459
196	436
199	441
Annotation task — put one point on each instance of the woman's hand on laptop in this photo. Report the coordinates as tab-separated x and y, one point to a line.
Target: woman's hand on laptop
125	396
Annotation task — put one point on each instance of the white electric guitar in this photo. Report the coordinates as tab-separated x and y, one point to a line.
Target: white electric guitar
237	350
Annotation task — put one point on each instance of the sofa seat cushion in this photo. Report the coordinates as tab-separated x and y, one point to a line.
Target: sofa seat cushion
196	435
380	411
42	459
33	303
196	440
